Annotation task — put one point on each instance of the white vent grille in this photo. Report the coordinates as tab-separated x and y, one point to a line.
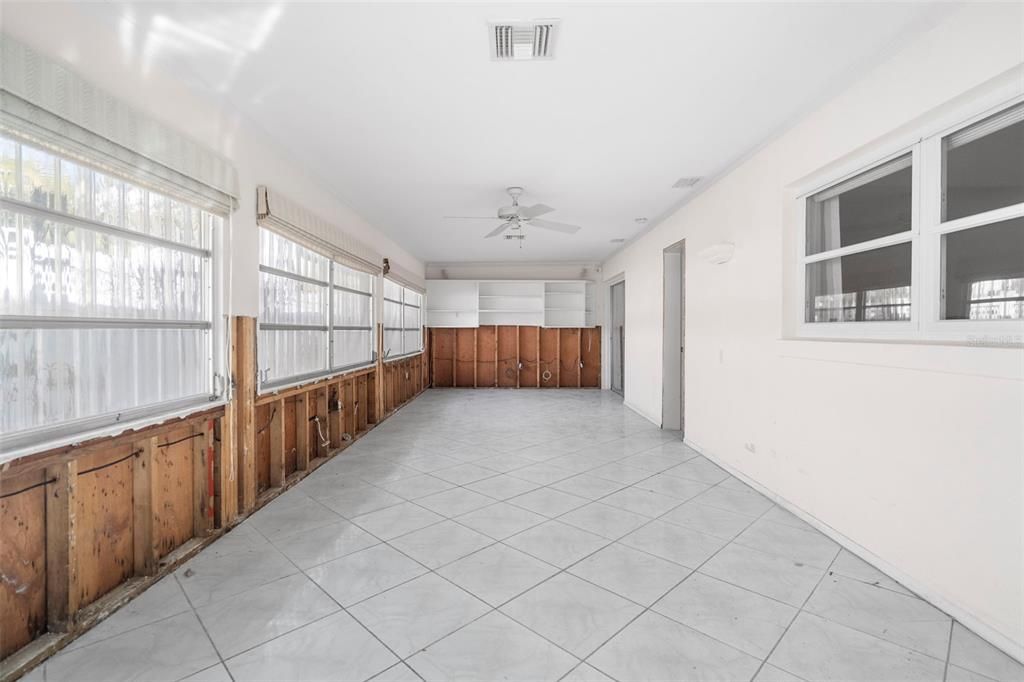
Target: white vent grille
686	183
523	40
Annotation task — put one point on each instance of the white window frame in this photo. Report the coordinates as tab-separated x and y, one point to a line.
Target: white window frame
266	385
26	441
925	237
389	353
372	295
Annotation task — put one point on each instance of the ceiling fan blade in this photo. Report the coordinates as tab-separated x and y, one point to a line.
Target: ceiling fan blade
535	211
498	230
557	227
470	217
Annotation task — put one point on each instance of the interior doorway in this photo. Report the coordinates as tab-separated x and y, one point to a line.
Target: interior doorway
618	332
674	339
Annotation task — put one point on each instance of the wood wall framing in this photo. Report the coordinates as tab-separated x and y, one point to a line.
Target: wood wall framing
514	357
85	528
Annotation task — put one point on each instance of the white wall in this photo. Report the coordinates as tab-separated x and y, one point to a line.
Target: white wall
911	451
97	52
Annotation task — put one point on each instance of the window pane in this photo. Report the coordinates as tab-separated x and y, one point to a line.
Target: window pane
868	286
134	208
984	272
107	206
352	348
38	176
413	341
393	342
74	189
287	354
984	165
872	205
289	301
283	254
392	290
352	279
8	168
63	374
352	310
158	224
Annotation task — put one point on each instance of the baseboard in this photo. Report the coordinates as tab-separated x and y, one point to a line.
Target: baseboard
656	422
964	616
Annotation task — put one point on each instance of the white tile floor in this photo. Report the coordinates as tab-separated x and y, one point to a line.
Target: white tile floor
525	535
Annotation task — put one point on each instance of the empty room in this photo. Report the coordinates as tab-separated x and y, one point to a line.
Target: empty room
518	342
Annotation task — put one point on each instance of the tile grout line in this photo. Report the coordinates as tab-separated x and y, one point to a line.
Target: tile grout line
797	614
206	632
649	608
949	650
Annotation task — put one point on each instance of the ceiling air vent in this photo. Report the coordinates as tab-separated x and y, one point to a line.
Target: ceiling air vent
686	183
520	40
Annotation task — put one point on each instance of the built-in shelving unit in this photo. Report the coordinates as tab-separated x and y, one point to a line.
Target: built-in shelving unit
453	303
471	303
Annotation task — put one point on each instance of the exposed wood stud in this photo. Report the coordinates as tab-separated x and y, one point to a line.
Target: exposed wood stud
61	551
245	396
302	426
202	478
277	445
143	532
322	425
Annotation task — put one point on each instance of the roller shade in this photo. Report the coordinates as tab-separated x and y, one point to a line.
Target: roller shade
406	278
44	103
276	212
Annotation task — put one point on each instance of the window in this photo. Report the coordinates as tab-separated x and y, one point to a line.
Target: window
883	252
982	267
353	340
403	328
316	316
106	299
293	323
858	253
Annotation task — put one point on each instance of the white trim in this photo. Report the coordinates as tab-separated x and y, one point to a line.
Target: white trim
110	430
960	613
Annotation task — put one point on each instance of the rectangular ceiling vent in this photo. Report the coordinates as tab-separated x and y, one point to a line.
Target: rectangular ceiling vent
519	40
686	183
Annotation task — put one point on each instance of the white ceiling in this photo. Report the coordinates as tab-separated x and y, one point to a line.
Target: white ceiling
402	113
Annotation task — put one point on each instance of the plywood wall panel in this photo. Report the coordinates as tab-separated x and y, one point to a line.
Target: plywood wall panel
22	562
549	346
172	495
529	357
508	357
443	357
487	357
465	358
590	354
569	358
104	514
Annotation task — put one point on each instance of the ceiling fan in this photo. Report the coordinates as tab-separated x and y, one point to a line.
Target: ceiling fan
515	217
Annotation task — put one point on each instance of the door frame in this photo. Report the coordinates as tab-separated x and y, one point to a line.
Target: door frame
619	362
673	374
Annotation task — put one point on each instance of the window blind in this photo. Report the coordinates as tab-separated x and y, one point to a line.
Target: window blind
291	220
44	103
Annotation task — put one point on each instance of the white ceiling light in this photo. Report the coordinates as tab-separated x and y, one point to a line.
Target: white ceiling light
521	40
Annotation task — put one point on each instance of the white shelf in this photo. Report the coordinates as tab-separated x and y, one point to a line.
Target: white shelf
469	303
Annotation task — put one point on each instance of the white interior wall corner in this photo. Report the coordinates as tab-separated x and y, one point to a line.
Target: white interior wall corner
932	487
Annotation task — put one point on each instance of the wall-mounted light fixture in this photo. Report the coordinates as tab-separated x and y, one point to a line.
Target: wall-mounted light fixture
717	254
